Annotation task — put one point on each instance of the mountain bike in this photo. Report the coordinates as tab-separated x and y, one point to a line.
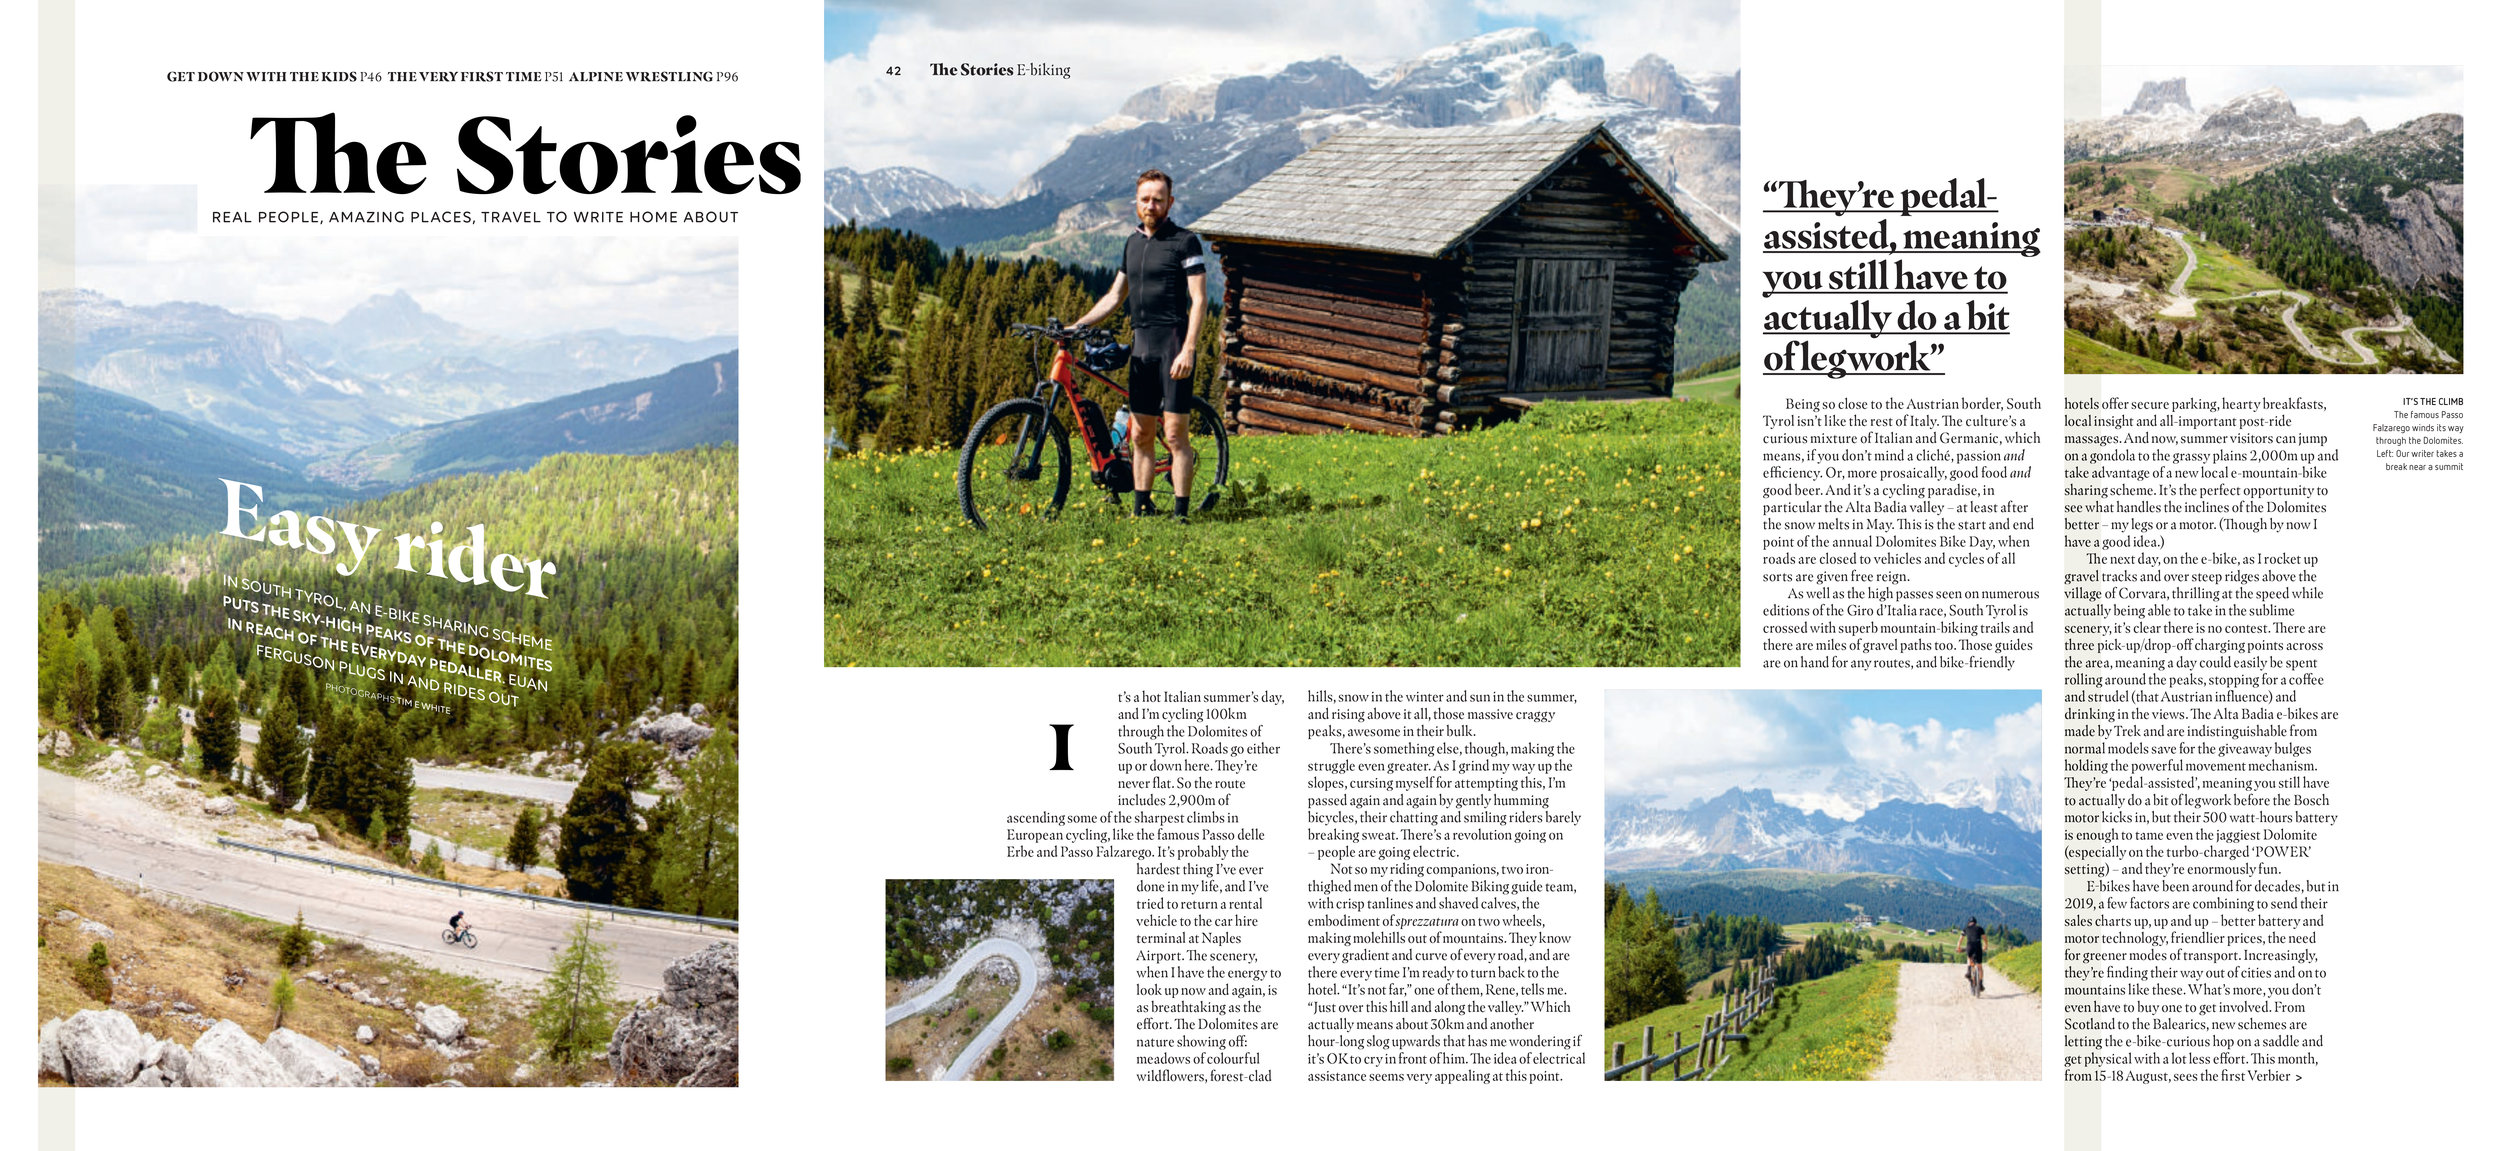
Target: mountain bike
1015	460
463	936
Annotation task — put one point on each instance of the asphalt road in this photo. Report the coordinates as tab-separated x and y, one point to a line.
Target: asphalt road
112	833
1940	1031
554	791
980	1046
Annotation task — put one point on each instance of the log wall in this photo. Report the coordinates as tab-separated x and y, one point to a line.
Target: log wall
1582	211
1319	339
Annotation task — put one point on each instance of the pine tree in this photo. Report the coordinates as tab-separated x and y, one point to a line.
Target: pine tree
522	850
835	321
598	834
220	729
574	1017
295	943
282	996
279	760
697	869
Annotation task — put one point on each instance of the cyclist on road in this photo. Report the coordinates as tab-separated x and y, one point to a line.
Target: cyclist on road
456	917
1163	276
1975	945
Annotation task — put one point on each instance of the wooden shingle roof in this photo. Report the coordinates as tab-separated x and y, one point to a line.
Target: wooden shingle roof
1420	191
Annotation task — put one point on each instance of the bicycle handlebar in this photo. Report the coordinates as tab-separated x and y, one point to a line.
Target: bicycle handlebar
1055	332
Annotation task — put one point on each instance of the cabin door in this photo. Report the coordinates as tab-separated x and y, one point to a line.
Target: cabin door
1563	323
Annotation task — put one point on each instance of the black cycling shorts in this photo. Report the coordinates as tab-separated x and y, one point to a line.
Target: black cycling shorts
1151	389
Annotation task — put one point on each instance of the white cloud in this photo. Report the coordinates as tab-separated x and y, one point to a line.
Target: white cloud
139	245
1933	756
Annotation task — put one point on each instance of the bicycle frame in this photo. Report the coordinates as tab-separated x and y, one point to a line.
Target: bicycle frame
1061	383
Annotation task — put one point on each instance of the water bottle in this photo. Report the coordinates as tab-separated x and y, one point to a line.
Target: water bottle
1119	429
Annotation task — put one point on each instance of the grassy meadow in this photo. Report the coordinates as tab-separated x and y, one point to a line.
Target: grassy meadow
1583	534
1836	1027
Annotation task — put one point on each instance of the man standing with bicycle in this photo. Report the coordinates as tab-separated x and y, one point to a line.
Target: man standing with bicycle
1163	277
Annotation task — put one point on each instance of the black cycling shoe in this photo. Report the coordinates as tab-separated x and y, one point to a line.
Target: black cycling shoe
1145	508
1180	510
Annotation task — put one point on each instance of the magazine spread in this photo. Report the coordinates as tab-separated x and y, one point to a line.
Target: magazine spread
1378	565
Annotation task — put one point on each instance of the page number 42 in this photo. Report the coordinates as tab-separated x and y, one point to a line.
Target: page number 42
894	70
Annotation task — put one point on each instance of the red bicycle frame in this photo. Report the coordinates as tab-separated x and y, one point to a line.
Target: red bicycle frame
1062	381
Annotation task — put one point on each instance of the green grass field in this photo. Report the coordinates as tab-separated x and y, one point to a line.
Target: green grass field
1581	534
1716	388
1835	1027
2219	272
2022	965
2086	356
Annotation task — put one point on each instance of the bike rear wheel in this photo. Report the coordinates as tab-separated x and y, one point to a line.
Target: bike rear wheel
1014	464
1215	458
448	937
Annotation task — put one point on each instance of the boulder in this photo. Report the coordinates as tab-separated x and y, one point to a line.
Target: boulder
48	1049
91	927
441	1023
218	805
311	1064
101	1048
61	746
118	761
690	1037
298	829
226	1056
364	1034
675	731
371	1066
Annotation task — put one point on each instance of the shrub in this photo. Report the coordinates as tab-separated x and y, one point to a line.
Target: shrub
295	943
898	1063
282	996
1058	1041
95	974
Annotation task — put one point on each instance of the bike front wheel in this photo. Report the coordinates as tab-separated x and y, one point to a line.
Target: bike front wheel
1215	458
1014	464
469	938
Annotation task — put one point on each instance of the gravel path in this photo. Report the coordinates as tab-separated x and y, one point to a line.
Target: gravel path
1940	1032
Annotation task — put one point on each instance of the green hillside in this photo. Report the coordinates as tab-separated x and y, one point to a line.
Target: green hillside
1582	534
2086	356
690	404
114	473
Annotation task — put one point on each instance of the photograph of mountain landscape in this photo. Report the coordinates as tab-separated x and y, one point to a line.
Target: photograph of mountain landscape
2266	220
414	558
984	170
1805	866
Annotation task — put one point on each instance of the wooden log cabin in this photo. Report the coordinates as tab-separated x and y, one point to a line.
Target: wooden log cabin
1418	281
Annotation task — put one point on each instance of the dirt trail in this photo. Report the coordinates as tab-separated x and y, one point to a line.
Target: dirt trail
1940	1032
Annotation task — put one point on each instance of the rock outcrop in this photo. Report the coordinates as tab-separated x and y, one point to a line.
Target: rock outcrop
96	1048
226	1056
676	731
441	1024
690	1037
2157	95
309	1063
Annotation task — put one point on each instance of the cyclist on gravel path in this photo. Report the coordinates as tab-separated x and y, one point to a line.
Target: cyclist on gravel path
1164	265
1974	945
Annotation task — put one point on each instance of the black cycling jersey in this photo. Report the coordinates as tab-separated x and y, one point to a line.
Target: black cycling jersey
1157	267
1971	939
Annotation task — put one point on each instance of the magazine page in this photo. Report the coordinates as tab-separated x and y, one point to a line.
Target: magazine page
1626	759
387	656
1373	560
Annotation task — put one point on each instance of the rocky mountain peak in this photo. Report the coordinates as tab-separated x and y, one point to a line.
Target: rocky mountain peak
2156	96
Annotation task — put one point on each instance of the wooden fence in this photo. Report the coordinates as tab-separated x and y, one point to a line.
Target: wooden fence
1735	1016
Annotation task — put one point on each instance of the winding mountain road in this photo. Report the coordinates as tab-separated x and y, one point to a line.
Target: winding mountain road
980	1046
1940	1031
2183	307
86	824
